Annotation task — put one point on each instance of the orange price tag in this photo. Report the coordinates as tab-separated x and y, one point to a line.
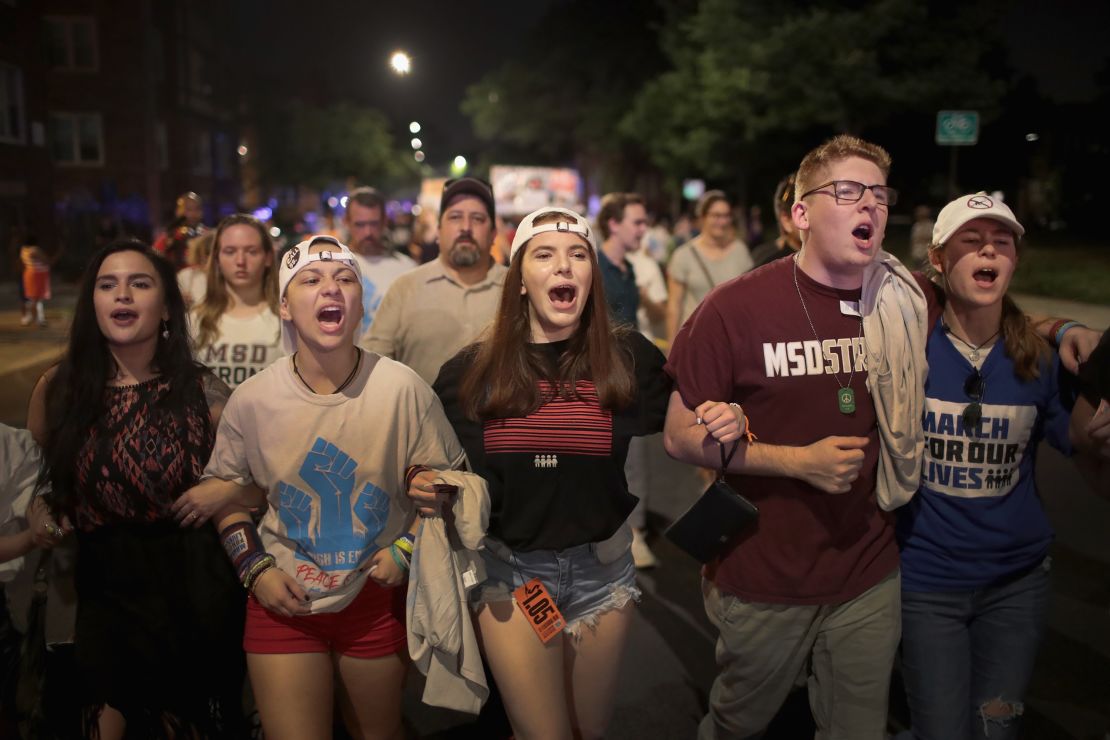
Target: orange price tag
540	610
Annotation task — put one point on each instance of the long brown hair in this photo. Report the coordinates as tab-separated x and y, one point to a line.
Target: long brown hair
503	378
216	298
1024	347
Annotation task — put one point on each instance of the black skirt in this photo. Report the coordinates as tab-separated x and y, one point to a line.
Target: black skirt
159	630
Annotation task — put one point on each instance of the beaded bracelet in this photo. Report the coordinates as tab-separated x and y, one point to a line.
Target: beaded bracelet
262	565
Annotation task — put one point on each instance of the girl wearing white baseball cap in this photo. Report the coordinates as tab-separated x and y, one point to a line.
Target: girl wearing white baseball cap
545	405
974	539
326	435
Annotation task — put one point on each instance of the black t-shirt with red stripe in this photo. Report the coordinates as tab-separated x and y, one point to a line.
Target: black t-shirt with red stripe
556	476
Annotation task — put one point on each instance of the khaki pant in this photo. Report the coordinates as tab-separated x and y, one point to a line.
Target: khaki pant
843	651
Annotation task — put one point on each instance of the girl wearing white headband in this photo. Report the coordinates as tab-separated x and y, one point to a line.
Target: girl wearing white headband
545	406
327	433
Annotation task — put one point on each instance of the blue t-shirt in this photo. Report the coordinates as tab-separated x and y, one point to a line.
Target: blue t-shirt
977	518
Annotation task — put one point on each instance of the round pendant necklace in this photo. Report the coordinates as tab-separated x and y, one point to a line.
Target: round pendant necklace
344	384
973	350
846	396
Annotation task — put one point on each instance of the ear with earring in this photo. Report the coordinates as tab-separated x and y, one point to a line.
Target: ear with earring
165	329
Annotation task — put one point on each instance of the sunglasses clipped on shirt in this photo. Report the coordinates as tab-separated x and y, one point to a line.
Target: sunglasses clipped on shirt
850	191
974	388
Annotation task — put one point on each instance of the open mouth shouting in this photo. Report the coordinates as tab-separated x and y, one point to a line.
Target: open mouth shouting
563	296
864	234
984	277
330	318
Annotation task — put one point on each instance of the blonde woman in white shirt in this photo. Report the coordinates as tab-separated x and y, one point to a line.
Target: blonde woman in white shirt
236	331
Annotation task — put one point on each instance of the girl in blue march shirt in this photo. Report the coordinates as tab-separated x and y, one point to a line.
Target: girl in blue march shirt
975	538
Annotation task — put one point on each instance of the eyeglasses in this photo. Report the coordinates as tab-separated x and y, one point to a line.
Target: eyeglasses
974	388
850	191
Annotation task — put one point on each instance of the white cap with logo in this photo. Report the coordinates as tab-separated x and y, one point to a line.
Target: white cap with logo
295	259
574	224
969	207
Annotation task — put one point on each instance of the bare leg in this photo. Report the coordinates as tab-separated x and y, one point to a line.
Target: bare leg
370	696
111	724
529	673
293	692
592	667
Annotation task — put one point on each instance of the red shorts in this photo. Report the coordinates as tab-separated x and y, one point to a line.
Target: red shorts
371	626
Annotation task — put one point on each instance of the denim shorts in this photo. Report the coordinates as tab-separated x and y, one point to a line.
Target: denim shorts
583	587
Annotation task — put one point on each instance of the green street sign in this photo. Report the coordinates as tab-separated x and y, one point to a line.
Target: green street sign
957	127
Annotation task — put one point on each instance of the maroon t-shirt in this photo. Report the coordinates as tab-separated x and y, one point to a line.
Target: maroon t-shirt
749	342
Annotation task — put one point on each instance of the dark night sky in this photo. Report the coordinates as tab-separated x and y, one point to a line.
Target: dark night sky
329	50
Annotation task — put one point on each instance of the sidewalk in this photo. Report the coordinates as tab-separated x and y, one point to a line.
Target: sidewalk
26	351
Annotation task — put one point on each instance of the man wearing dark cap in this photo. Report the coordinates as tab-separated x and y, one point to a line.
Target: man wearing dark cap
433	311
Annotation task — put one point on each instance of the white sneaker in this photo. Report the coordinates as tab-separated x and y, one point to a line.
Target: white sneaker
642	556
26	319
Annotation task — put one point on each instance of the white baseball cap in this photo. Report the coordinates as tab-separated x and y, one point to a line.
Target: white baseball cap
295	259
969	207
527	228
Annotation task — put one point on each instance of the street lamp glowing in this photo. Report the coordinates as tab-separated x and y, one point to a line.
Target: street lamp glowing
458	166
400	62
416	143
414	128
418	155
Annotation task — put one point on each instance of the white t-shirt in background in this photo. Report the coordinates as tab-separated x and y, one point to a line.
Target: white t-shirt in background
243	347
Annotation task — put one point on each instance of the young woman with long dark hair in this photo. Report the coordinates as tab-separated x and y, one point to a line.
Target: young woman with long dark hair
545	406
127	421
236	329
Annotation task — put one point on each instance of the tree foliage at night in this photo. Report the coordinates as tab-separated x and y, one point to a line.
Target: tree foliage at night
311	145
562	98
743	71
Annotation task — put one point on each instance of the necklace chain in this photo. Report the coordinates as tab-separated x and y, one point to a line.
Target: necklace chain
836	376
973	354
344	384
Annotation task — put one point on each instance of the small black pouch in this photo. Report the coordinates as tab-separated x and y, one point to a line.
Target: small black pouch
715	518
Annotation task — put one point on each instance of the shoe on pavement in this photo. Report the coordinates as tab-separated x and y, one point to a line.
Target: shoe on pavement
642	556
26	319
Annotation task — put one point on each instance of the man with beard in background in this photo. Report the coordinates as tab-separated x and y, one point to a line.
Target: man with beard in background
436	309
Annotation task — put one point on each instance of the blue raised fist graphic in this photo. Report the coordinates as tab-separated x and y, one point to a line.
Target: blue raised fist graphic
346	524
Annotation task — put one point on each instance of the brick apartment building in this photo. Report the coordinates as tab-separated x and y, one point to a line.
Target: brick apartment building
108	110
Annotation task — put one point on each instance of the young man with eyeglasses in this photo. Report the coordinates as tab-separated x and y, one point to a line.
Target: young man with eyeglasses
812	592
832	382
436	309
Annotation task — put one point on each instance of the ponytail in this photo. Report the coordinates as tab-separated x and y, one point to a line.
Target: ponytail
1025	348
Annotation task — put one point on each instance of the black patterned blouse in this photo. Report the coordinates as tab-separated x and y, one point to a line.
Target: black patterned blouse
140	456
